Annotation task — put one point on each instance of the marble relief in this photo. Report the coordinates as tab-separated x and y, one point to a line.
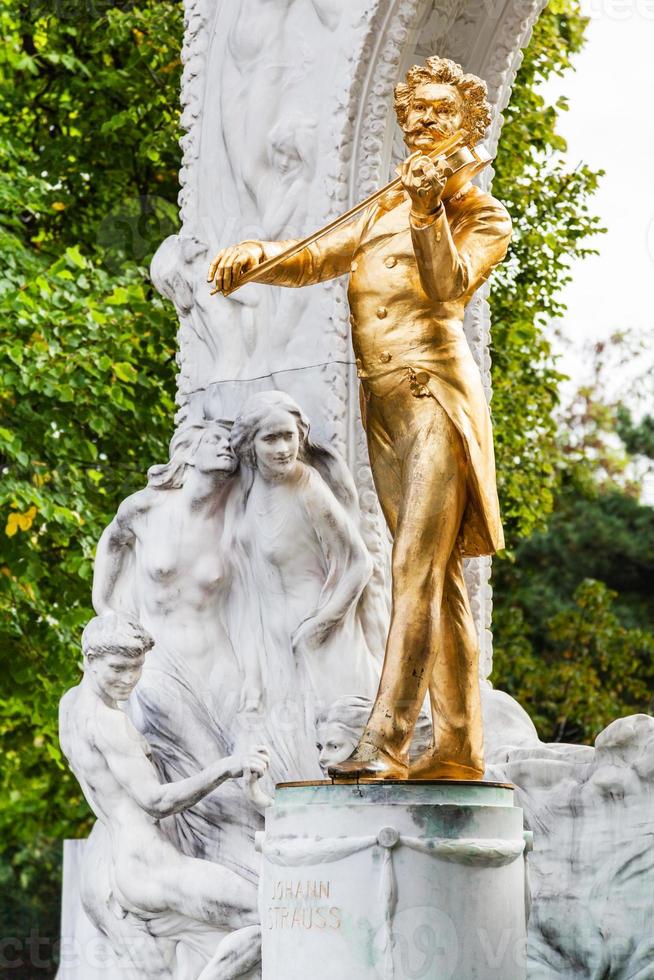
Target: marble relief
230	595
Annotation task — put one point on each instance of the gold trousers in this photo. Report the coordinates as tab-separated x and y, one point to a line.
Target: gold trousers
419	467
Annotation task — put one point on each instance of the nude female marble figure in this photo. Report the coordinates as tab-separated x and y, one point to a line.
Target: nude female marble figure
160	561
159	558
112	762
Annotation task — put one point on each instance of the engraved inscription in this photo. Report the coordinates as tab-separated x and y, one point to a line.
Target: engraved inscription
301	909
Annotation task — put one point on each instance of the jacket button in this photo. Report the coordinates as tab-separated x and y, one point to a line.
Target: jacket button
384	357
382	313
390	262
422	377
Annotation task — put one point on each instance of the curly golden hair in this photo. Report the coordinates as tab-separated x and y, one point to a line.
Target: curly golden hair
473	92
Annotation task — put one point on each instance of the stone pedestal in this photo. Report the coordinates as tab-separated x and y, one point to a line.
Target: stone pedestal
394	881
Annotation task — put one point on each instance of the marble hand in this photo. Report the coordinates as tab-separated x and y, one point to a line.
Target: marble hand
255	762
231	263
424	180
251	699
252	778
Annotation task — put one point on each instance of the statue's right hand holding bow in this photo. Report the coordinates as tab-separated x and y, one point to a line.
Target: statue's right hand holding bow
233	262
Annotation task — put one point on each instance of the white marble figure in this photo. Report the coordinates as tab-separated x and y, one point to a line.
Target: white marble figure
160	561
592	870
177	272
149	877
300	568
258	63
283	201
261	56
339	728
159	558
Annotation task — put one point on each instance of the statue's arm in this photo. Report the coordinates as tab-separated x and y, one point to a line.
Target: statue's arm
128	763
349	565
328	258
451	263
114	549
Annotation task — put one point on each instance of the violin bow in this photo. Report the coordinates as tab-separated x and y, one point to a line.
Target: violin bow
445	147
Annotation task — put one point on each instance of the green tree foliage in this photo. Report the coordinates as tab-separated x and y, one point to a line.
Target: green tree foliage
574	622
578	669
574	616
600	435
552	221
88	117
637	437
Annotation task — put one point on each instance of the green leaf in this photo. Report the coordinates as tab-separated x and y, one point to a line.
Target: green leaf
125	371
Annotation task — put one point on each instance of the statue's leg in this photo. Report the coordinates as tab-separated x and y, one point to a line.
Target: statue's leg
236	955
432	467
208	893
457	751
385	464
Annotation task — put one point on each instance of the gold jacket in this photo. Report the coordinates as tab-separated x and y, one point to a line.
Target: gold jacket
410	281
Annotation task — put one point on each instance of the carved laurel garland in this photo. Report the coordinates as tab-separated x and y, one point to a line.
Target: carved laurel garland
193	56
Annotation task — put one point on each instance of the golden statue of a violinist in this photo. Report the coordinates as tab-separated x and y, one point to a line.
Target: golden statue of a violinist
415	255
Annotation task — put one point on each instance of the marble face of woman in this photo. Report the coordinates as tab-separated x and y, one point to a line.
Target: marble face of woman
276	445
335	744
214	453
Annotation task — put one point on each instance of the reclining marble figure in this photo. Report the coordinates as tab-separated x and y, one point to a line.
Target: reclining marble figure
112	763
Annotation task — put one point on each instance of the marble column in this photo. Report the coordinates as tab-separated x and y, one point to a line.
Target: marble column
389	881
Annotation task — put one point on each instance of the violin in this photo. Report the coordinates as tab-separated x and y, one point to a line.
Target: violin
463	162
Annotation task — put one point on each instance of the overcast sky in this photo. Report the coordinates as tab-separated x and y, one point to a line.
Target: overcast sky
610	125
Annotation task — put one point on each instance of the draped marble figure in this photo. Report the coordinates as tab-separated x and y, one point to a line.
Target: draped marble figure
261	55
414	260
300	569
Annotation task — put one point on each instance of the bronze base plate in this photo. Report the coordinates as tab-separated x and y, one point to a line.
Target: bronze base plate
395	782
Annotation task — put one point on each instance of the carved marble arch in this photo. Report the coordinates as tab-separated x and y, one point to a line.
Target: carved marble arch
288	120
487	37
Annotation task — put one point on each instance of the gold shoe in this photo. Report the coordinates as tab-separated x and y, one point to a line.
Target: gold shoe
430	766
368	761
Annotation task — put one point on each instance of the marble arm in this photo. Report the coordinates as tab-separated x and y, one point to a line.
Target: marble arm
115	545
136	774
454	263
350	566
